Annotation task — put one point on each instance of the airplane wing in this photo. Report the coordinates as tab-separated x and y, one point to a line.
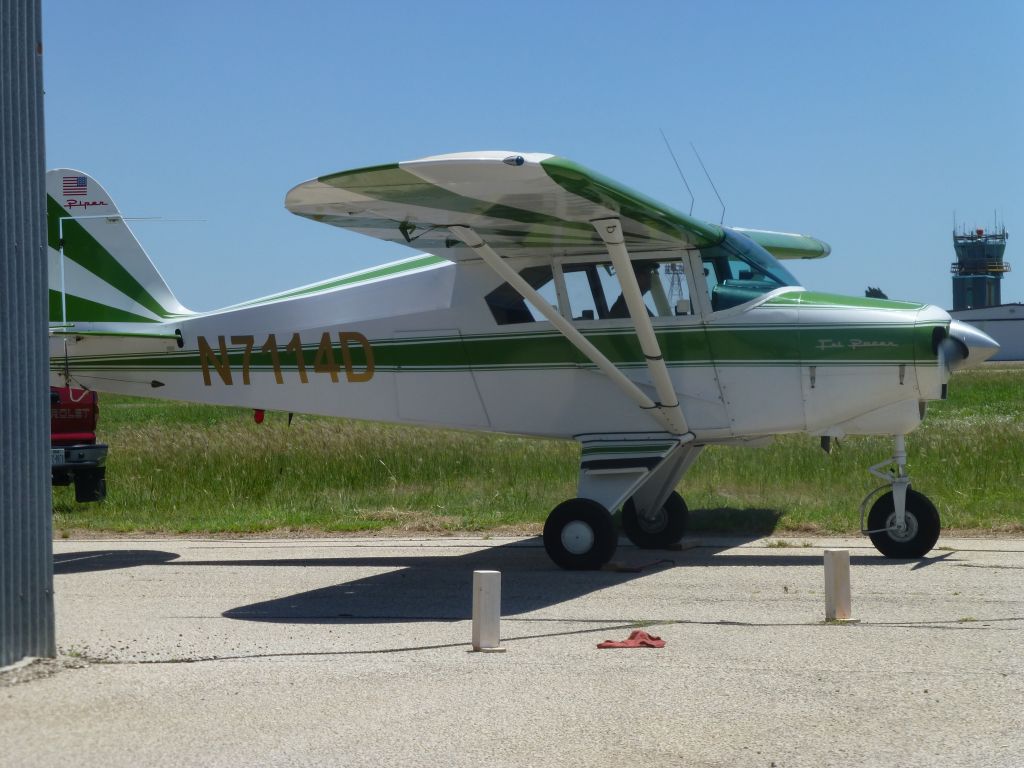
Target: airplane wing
522	204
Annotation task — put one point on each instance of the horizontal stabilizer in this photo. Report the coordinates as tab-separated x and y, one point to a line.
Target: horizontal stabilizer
86	358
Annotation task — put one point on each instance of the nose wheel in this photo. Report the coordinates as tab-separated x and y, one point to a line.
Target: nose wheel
915	537
902	523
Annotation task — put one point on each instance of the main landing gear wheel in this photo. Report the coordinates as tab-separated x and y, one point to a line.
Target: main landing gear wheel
917	537
659	530
579	535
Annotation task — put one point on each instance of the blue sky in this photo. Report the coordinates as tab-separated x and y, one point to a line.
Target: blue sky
867	125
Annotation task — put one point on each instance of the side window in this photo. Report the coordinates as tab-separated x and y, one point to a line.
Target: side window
663	286
594	292
509	307
547	292
585	287
670	294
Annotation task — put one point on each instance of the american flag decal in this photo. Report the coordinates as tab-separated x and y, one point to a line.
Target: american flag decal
76	186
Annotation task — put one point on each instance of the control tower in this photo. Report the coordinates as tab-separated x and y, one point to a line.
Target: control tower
979	268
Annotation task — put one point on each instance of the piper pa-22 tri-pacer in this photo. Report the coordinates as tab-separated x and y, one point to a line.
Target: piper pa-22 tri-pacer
545	300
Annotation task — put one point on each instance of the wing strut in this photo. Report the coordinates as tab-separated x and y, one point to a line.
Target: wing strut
610	231
473	241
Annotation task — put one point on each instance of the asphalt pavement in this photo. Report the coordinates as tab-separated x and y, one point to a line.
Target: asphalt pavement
356	652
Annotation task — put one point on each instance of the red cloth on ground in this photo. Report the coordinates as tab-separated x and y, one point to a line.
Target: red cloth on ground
637	639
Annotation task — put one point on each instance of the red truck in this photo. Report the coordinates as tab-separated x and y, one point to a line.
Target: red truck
75	455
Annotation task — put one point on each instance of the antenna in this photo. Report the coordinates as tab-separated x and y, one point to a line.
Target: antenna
681	176
720	221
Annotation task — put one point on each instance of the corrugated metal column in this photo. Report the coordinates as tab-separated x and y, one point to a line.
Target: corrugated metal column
26	548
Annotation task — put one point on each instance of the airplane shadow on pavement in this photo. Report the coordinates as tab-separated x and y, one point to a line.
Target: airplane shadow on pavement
436	587
108	560
440	588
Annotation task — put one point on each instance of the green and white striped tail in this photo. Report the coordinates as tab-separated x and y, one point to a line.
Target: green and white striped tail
98	272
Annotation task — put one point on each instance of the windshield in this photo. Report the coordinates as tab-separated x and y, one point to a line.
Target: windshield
739	270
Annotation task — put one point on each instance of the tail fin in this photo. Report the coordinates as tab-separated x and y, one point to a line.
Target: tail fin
98	272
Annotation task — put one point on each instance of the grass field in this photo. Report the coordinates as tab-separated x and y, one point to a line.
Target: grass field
180	468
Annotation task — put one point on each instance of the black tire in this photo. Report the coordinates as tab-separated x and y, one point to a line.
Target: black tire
579	535
90	486
922	526
667	528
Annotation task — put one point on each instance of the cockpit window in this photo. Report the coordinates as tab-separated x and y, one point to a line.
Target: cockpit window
738	270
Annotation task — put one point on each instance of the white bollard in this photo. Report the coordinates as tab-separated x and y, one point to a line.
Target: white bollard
486	610
837	585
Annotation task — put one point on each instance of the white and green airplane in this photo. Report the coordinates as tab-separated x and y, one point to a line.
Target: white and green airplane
545	299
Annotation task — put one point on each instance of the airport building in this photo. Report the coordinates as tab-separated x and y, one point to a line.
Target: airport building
977	290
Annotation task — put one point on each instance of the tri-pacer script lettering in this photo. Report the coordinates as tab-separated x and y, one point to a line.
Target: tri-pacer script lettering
826	344
324	359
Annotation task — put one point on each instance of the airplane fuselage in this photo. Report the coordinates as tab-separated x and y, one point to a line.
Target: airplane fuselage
420	345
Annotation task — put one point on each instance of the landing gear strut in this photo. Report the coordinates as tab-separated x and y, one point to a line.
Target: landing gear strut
902	523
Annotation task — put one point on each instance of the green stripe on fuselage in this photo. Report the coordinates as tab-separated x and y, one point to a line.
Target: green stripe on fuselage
699	346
